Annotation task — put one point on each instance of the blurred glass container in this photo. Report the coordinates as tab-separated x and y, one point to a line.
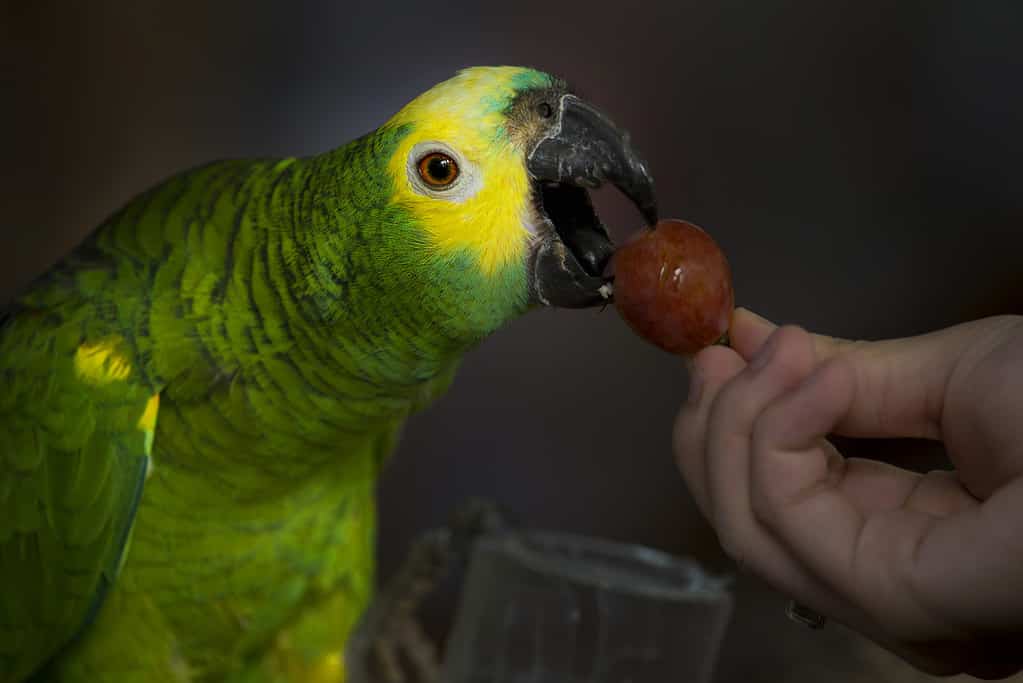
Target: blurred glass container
557	608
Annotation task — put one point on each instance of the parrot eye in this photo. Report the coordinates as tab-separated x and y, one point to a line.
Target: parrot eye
438	170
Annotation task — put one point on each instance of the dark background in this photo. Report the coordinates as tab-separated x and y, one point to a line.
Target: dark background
857	161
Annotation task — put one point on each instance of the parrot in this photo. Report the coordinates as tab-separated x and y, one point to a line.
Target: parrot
197	400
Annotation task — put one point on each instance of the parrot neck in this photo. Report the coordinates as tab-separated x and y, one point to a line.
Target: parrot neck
367	282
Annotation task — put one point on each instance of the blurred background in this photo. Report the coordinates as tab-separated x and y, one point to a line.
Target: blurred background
857	161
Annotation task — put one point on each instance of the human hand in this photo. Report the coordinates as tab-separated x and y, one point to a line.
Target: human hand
929	566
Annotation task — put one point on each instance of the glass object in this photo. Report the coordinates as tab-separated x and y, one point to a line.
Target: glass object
544	607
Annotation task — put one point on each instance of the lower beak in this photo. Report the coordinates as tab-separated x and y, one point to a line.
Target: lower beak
583	151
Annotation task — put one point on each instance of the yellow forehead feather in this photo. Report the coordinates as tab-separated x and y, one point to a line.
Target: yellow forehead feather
467	113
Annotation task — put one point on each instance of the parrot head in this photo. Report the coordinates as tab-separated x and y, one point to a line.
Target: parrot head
496	164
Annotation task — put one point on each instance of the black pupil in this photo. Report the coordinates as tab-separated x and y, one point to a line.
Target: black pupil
439	168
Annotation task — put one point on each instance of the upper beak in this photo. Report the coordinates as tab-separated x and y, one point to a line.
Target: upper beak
583	149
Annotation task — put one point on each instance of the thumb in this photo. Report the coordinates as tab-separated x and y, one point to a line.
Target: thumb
749	331
899	384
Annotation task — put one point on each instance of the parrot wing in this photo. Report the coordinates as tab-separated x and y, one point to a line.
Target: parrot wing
76	431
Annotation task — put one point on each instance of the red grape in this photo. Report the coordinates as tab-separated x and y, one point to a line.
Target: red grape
673	287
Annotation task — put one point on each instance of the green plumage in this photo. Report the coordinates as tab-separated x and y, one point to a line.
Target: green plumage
287	315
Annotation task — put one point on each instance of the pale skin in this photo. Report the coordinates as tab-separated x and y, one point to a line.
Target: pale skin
928	565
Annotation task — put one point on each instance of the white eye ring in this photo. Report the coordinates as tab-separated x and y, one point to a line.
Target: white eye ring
463	187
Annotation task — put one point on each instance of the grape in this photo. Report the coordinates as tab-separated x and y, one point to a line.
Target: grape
673	286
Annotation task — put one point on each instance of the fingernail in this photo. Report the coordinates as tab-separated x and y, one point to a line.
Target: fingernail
695	384
763	356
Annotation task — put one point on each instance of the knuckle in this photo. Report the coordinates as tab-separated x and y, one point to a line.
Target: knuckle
790	331
792	335
776	479
828	346
794	356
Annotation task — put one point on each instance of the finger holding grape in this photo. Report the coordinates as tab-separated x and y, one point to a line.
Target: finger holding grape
924	564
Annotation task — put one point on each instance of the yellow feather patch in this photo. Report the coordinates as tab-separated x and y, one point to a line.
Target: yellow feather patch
330	669
102	362
147	424
287	661
466	113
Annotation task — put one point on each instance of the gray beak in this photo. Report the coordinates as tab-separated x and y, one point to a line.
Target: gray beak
583	150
